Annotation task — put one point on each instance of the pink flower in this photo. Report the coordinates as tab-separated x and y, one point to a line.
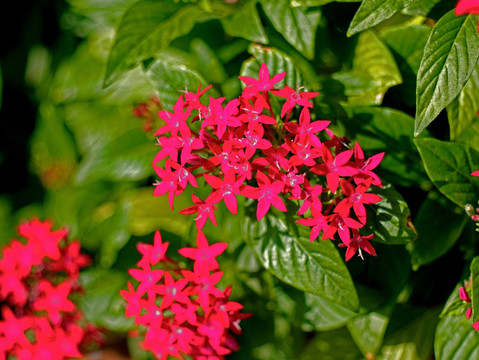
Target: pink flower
264	83
467	7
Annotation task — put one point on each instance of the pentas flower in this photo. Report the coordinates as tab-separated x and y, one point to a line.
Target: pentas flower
241	148
467	7
464	296
183	312
38	279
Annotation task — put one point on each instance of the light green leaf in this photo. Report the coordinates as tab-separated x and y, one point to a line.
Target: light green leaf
147	28
375	69
439	224
331	345
246	23
461	112
381	129
285	250
449	59
407	41
297	25
170	78
449	167
413	341
208	64
455	337
298	3
102	304
368	330
475	289
276	61
390	219
323	314
373	12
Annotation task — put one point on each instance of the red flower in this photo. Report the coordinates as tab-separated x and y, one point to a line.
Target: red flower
264	83
358	243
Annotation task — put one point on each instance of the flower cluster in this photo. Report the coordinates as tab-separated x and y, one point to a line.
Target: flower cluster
464	296
37	281
242	148
467	7
147	111
183	311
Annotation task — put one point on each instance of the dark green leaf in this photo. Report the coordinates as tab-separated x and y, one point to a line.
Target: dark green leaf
449	167
331	345
246	23
276	61
475	289
449	59
421	8
169	78
413	341
461	113
439	224
323	314
373	12
373	67
381	129
455	337
285	250
147	28
208	64
102	303
297	25
390	219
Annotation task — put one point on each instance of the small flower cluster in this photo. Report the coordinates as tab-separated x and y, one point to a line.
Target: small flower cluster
242	148
464	296
467	7
183	311
147	111
37	280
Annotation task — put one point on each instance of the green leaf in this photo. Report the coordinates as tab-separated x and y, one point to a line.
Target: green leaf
276	61
439	224
323	314
449	59
331	345
407	41
390	219
373	67
368	330
169	78
128	157
246	23
475	289
298	3
285	250
407	44
413	341
147	28
208	64
102	304
455	337
53	150
373	12
381	129
461	112
150	213
72	83
449	167
297	25
422	8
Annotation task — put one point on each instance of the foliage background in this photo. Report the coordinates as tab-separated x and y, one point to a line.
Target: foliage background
72	151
